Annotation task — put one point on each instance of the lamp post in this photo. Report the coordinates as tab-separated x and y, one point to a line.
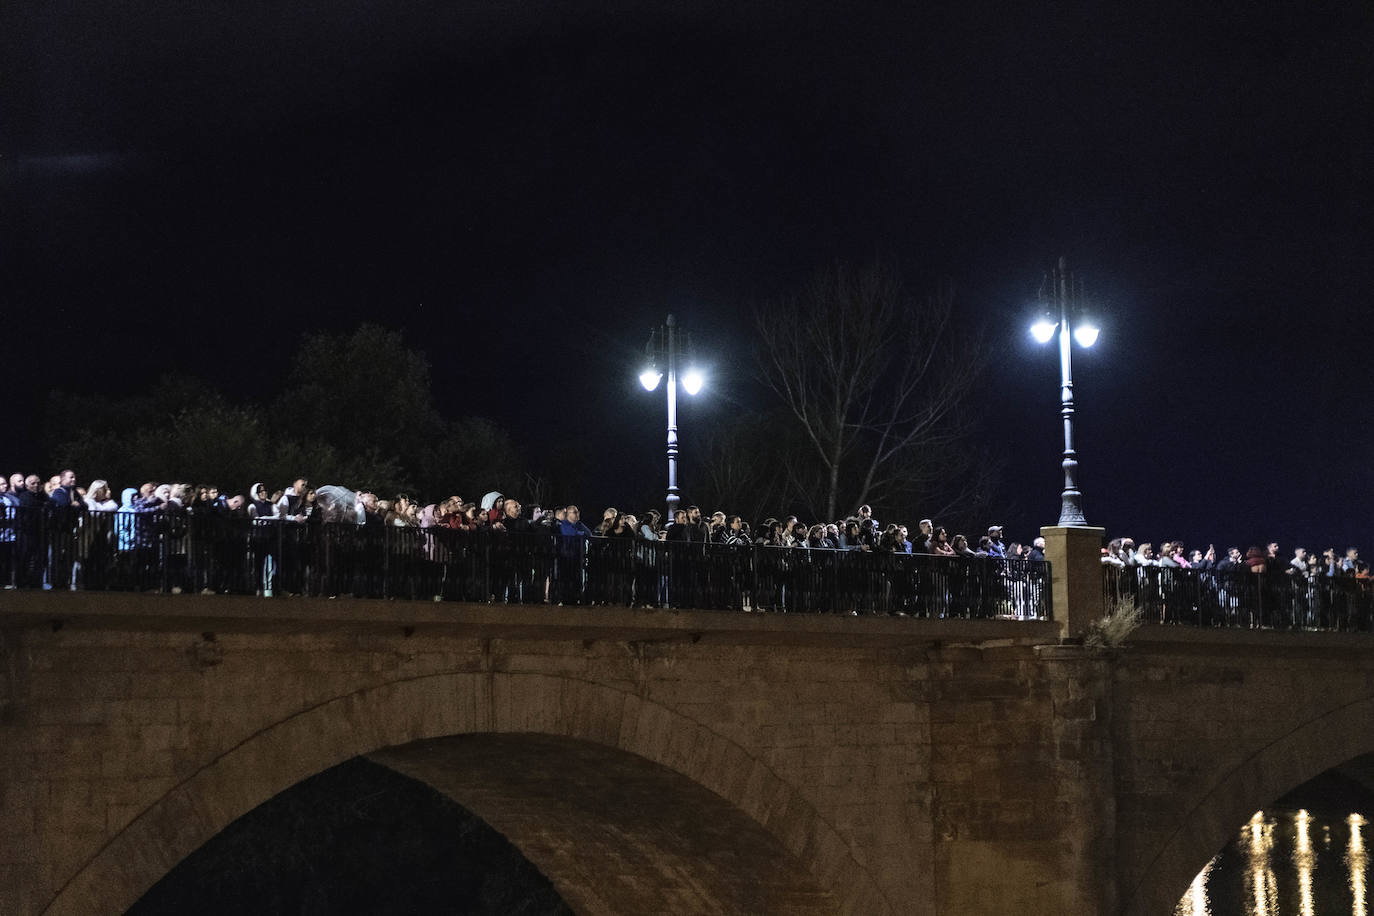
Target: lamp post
1064	294
666	345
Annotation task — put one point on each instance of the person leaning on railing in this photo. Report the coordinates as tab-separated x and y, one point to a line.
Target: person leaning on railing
649	528
9	512
856	532
678	530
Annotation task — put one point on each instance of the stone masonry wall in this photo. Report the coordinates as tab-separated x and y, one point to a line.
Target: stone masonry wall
959	768
1211	726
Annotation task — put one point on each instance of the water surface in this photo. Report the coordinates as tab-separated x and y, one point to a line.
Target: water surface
1286	862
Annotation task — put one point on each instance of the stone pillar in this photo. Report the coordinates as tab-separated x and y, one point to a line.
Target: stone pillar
1075	555
1082	778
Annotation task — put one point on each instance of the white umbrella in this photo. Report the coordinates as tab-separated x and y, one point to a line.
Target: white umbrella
337	504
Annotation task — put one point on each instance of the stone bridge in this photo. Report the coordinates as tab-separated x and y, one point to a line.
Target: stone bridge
678	762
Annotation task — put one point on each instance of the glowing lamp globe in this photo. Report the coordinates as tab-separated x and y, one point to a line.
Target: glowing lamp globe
693	380
1043	330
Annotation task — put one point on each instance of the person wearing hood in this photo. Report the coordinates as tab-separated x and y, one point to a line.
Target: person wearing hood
124	520
493	506
146	507
263	512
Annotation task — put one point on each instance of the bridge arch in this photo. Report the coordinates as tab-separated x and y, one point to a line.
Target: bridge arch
1329	740
403	722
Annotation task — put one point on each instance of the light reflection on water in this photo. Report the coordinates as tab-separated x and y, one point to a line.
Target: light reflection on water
1355	862
1304	859
1194	903
1259	876
1285	863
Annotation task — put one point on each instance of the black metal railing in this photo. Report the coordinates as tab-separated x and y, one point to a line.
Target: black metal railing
213	553
1240	598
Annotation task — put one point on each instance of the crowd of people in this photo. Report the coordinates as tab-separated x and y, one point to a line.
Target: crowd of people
1270	559
1257	587
300	502
56	533
194	536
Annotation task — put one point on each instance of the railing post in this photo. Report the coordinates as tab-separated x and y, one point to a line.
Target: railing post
161	526
486	568
1074	553
281	558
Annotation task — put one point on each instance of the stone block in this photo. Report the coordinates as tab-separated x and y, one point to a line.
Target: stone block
124	763
1084	708
19	804
69	815
153	738
69	712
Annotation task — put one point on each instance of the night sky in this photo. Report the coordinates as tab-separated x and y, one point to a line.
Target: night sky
524	189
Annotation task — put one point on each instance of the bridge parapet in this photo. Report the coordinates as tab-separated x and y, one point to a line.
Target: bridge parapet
1238	598
210	554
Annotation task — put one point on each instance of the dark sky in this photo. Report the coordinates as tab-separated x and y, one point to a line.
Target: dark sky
525	188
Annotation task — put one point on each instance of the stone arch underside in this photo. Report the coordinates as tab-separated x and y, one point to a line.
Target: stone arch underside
614	832
769	821
1312	748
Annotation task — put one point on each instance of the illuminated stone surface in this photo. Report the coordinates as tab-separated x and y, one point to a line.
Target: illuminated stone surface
764	763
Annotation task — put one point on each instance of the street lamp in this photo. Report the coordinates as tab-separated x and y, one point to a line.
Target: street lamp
1064	294
666	345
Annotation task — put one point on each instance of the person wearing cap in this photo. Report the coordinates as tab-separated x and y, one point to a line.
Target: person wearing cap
995	546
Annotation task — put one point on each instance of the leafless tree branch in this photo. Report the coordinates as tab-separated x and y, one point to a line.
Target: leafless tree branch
871	378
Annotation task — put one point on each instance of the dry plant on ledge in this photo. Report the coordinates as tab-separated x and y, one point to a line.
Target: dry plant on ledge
1111	631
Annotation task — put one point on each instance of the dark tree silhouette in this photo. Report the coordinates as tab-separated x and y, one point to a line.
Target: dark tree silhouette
877	384
357	409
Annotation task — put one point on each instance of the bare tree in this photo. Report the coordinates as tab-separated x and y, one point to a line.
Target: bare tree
742	466
876	382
